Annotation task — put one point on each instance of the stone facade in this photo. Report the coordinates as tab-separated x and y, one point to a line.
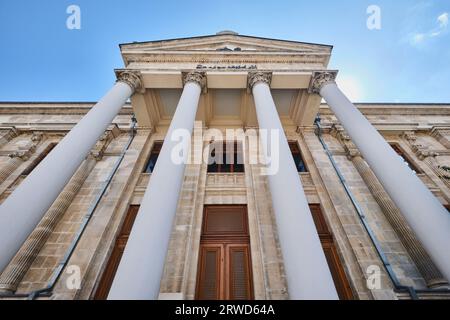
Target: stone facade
321	185
87	217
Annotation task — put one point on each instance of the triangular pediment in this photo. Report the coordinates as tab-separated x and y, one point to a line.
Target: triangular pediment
225	42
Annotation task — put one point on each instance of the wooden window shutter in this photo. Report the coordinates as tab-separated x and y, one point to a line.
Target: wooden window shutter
222	220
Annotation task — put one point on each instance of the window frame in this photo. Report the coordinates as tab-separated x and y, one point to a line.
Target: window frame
295	149
156	149
238	148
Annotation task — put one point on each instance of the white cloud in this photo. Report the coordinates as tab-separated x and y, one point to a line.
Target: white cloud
418	38
442	21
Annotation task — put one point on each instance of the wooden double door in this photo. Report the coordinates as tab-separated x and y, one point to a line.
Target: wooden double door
224	268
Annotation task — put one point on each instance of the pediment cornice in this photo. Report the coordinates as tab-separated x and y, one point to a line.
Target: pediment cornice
214	42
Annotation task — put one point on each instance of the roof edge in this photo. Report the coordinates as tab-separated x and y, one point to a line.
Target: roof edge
216	35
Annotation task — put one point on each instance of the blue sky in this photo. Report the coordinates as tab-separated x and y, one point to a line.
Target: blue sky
407	60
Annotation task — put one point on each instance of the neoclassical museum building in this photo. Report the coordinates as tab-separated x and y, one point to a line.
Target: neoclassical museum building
108	200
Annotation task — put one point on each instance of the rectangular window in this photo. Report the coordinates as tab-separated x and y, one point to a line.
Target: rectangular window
296	154
157	145
226	157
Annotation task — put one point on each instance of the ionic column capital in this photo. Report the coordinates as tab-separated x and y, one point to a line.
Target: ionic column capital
321	78
132	78
259	76
197	77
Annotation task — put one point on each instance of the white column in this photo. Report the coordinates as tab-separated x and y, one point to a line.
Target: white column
424	213
24	208
307	271
141	267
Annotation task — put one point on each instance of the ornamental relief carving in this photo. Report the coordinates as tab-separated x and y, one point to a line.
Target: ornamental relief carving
321	78
195	76
255	77
26	153
419	149
350	148
131	78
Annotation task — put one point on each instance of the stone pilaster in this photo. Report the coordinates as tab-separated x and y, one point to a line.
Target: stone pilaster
427	268
19	265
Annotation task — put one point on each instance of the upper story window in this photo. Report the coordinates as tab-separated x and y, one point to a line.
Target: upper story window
153	157
226	157
405	158
296	154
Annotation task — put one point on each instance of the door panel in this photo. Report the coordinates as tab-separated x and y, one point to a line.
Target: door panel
211	269
224	269
239	276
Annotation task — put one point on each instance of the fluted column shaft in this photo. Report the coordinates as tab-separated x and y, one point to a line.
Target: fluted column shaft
25	207
427	268
17	268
